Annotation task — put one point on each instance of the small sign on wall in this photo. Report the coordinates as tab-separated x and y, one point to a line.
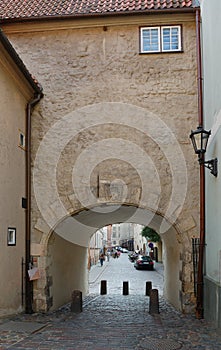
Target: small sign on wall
34	274
11	238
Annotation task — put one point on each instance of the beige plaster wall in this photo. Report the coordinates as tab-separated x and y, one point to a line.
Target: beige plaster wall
68	271
99	88
12	187
172	268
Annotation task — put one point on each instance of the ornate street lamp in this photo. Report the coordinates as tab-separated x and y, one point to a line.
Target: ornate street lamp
199	140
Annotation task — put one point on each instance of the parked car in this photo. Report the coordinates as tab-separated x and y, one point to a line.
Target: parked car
133	256
124	250
144	262
119	249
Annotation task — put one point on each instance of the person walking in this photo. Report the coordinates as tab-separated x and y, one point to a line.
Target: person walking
101	258
108	255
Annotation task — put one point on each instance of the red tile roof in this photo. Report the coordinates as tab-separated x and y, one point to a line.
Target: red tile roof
19	63
27	9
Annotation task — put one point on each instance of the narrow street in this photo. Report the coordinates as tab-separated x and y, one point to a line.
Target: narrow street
112	321
121	269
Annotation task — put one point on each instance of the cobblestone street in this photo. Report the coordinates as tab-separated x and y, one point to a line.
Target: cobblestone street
112	321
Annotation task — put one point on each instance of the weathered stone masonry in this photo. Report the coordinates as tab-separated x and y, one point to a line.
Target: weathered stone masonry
83	66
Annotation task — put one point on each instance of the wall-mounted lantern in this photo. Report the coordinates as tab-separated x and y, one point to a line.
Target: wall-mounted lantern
199	140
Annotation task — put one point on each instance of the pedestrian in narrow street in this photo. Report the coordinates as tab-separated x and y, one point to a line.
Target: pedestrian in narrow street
101	258
108	255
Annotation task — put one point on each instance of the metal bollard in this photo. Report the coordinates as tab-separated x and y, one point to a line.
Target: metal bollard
125	288
103	287
154	302
76	301
148	287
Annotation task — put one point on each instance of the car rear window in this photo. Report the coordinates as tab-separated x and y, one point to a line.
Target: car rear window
146	258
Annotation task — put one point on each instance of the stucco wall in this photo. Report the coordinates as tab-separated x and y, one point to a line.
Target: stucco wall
212	114
211	49
212	297
12	189
117	113
69	270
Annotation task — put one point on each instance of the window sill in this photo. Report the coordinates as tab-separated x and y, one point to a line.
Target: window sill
160	52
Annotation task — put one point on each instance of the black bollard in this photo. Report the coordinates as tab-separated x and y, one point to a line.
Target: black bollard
103	287
148	287
125	288
154	302
76	301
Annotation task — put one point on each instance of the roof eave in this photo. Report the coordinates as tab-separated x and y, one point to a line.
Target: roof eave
13	54
101	15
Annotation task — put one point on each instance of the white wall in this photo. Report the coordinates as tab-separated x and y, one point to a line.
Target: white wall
211	28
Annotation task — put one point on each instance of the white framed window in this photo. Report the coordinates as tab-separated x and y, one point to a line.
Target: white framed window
160	39
11	239
150	39
21	141
171	38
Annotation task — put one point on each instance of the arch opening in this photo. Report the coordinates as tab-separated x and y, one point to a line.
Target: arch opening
67	251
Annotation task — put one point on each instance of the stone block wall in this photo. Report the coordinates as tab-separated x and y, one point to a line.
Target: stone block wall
117	122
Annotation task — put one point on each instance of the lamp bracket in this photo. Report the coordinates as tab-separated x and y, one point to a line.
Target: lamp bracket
211	165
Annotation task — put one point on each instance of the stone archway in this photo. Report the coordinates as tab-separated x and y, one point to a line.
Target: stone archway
113	128
64	255
99	165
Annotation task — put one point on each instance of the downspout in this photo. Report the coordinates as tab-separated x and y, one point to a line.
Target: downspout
200	286
28	283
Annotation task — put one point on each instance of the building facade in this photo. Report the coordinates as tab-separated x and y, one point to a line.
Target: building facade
110	138
211	55
98	243
17	89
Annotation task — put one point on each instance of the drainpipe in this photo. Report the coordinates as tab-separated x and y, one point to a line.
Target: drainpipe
199	296
28	283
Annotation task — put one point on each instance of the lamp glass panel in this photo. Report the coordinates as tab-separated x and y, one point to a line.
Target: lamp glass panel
194	143
205	137
198	142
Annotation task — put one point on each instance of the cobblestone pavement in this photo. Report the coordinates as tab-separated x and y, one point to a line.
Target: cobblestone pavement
112	321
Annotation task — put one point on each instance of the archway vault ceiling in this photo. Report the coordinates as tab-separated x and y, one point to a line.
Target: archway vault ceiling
80	227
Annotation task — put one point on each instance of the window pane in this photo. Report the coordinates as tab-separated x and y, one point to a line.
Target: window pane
174	31
166	46
150	40
171	39
166	31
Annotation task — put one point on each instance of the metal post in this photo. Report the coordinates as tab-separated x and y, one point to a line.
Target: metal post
103	287
22	281
148	288
76	301
125	288
199	290
154	302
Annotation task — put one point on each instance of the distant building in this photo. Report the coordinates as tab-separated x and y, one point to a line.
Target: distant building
98	242
127	235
